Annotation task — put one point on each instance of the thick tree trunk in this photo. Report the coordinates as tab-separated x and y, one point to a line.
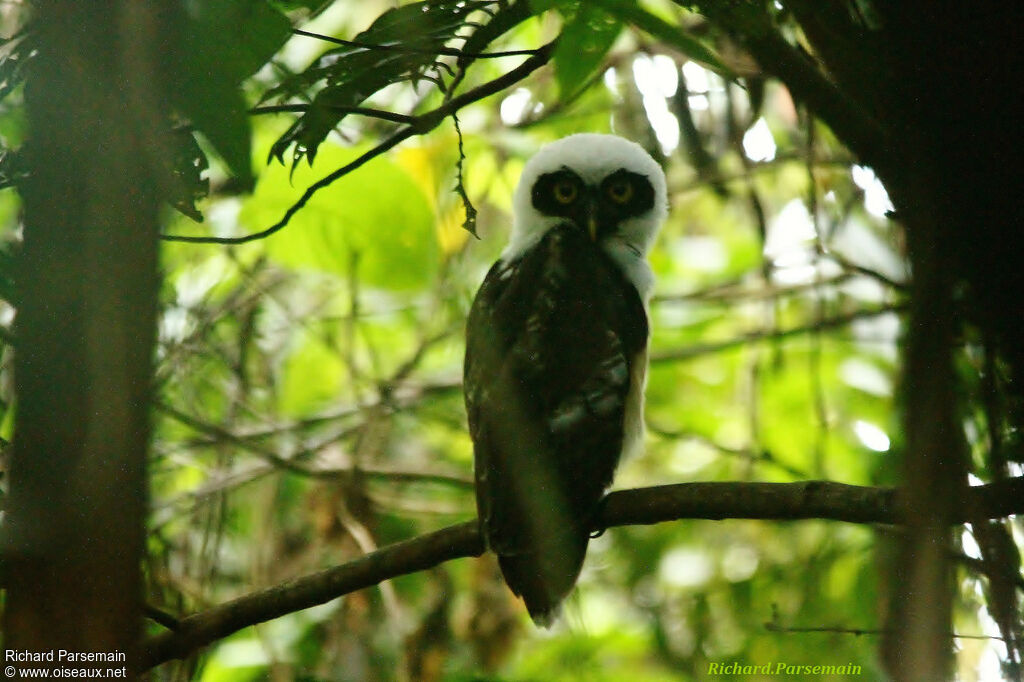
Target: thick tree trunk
917	644
87	283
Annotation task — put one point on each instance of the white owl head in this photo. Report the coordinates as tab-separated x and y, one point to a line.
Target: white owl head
605	180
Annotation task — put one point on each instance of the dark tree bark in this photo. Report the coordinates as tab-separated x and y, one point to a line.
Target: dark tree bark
87	284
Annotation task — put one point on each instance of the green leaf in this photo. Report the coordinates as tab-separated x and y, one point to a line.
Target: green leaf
232	39
187	168
585	40
377	215
224	42
503	21
540	6
313	6
16	55
344	77
219	113
675	36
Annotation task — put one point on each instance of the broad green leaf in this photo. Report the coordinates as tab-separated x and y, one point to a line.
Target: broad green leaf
232	39
503	21
224	42
585	40
218	111
377	215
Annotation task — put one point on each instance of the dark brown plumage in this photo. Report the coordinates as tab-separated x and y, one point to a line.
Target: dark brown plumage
553	338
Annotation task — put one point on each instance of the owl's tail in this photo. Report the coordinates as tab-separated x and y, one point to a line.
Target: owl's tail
545	576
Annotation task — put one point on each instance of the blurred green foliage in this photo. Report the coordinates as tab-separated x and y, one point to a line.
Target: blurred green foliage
310	406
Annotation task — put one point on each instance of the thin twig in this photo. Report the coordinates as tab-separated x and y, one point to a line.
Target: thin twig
866	271
442	51
837	630
292	465
751	455
719	346
469	224
728	292
360	111
162	617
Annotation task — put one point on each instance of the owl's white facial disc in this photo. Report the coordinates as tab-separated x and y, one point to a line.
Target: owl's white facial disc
593	159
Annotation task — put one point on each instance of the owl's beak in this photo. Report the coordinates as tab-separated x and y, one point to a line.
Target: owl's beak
590	217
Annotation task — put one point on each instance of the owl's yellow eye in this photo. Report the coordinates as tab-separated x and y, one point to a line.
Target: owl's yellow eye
620	191
565	192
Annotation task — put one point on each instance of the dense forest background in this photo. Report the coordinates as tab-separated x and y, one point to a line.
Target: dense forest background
237	256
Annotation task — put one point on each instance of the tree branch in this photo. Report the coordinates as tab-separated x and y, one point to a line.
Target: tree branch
398	47
825	323
715	501
752	27
418	125
303	108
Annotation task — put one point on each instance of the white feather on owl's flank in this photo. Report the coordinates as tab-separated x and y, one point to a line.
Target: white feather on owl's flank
594	156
